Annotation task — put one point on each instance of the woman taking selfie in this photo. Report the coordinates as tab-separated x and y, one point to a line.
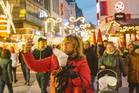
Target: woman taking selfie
64	78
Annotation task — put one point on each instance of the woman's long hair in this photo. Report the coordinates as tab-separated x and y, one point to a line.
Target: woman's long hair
77	43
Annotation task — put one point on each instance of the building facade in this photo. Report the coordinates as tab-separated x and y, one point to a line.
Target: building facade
106	8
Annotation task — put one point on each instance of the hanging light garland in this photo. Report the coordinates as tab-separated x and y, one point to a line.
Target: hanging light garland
58	20
72	19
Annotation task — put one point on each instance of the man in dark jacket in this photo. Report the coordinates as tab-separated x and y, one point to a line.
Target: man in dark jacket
42	52
91	59
25	69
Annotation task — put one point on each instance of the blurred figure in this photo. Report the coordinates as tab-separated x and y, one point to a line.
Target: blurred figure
54	45
99	45
112	60
103	47
132	65
130	47
1	50
6	71
91	59
39	53
58	46
14	62
25	69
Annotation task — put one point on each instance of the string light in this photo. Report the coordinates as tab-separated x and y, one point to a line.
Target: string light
6	10
70	27
58	20
72	19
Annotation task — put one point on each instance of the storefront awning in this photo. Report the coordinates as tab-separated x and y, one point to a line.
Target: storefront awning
103	27
128	22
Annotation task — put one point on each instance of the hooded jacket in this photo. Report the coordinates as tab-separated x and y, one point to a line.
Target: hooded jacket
51	63
6	69
115	62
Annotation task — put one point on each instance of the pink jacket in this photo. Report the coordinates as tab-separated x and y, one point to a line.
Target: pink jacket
51	63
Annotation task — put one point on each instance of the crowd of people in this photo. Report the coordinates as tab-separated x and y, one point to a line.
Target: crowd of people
69	66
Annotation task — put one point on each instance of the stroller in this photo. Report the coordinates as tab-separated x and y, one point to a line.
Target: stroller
106	81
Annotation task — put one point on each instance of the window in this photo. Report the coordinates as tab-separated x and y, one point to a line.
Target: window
103	8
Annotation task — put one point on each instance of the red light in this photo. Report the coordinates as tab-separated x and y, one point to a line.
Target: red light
32	6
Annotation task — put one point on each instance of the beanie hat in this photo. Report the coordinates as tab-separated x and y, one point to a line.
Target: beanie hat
135	47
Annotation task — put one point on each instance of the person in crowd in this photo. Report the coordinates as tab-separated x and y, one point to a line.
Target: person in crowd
112	60
54	45
103	47
42	52
14	62
91	59
63	78
132	66
1	50
6	71
99	45
130	47
24	67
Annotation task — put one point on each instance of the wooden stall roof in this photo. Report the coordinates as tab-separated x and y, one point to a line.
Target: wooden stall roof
128	22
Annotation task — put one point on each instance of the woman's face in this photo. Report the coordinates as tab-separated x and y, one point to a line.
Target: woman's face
110	48
86	45
67	47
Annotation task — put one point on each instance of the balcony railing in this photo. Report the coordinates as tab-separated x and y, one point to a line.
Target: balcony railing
34	19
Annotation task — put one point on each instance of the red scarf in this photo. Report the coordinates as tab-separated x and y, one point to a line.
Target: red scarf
12	51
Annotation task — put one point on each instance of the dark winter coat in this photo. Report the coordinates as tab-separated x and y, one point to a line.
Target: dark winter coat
92	60
6	70
115	62
102	49
41	54
21	60
132	66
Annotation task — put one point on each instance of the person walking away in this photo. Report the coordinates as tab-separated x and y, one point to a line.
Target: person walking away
91	59
132	66
24	67
112	60
6	71
42	52
66	66
99	45
103	47
14	62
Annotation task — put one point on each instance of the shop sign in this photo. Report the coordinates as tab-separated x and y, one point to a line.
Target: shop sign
42	14
119	15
